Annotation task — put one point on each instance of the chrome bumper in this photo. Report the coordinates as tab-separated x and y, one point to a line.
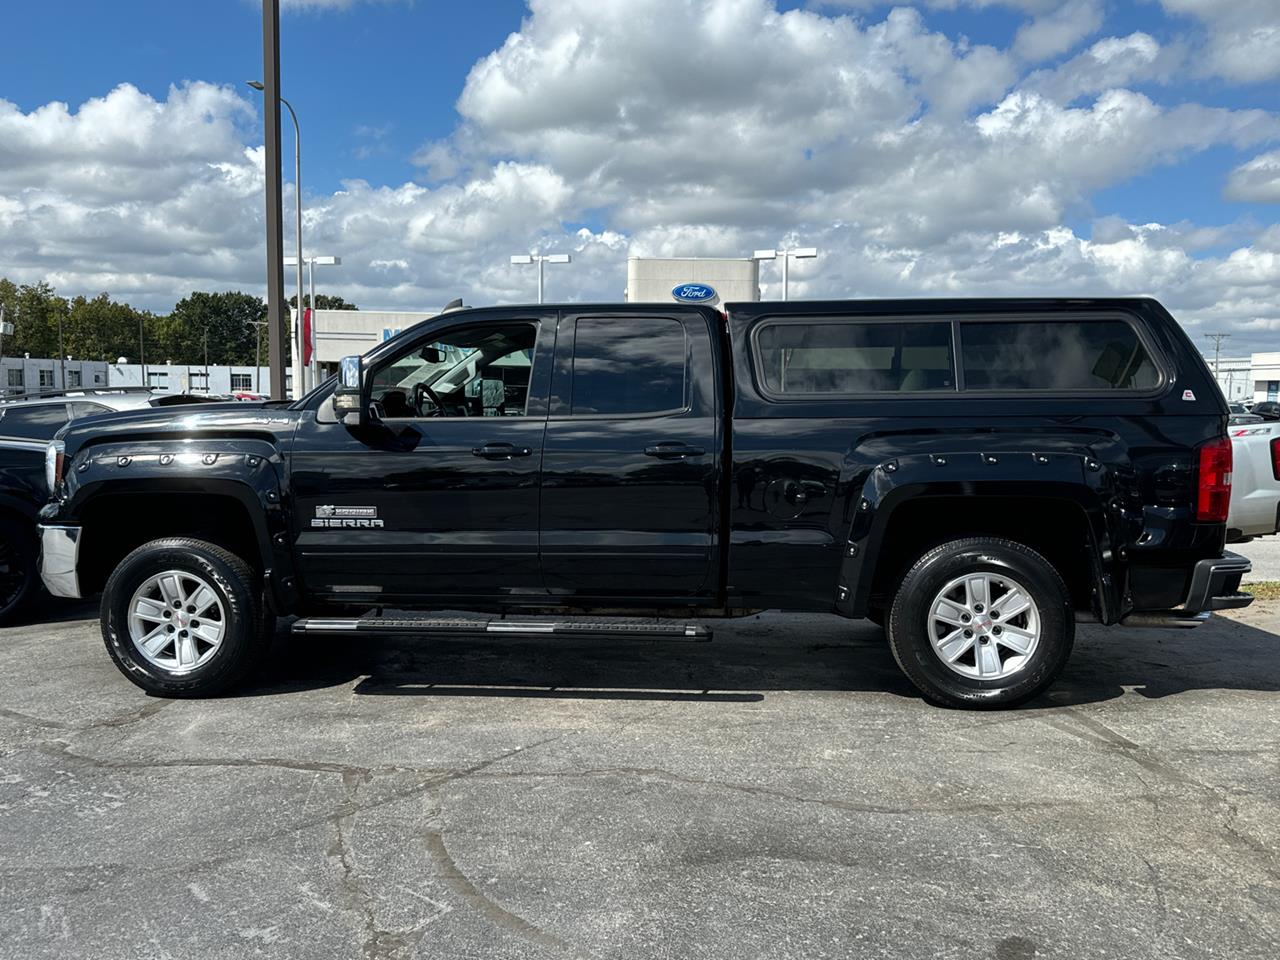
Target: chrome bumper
59	552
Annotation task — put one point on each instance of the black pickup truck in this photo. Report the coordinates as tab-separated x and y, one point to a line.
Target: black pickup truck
975	475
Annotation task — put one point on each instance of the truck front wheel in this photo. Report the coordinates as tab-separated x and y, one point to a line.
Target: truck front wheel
184	618
981	623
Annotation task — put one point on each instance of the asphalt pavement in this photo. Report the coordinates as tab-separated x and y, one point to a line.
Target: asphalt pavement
1265	554
779	792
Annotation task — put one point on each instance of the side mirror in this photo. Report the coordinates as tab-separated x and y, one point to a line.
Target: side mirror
348	397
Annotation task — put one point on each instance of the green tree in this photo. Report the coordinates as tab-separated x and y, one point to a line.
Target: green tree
34	310
324	301
104	329
220	326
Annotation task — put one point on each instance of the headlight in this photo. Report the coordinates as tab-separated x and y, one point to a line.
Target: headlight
55	456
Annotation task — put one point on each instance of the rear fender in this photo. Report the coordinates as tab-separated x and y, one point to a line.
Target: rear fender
1054	477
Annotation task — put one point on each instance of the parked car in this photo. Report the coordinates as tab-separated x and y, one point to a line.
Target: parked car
1267	409
973	474
27	424
1255	481
1238	413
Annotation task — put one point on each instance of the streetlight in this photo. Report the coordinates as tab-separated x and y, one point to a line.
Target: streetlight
800	253
311	299
540	259
297	196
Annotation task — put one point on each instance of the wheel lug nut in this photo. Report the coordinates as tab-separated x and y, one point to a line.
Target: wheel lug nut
977	607
965	618
997	631
968	634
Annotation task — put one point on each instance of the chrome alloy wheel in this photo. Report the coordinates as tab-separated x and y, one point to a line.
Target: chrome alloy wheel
984	626
176	621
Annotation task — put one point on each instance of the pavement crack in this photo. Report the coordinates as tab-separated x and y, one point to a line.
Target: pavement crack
121	720
461	884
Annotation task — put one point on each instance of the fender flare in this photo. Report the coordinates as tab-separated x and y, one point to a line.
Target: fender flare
248	472
1063	477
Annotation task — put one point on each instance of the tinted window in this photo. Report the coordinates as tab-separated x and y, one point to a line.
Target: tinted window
628	365
81	409
33	423
832	356
1055	355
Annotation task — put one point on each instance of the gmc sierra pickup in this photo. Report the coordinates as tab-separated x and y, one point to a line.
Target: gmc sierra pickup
975	475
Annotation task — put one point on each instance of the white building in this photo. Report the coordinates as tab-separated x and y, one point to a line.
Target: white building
655	279
1235	377
29	374
1264	371
193	377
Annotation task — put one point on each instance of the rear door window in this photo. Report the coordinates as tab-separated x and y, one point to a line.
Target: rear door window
1055	356
628	366
837	356
38	422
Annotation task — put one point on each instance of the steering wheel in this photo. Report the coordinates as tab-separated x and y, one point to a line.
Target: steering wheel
421	390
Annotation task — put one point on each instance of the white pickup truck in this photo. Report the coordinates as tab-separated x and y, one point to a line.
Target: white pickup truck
1255	480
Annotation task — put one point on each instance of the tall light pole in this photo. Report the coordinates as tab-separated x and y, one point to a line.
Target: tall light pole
276	339
800	253
298	386
311	301
5	327
540	259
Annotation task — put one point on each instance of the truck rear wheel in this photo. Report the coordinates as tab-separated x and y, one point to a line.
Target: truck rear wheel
184	618
981	623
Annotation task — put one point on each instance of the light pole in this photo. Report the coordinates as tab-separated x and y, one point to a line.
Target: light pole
297	196
5	327
540	259
800	253
311	302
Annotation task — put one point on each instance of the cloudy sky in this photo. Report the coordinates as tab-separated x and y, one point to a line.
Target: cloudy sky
930	148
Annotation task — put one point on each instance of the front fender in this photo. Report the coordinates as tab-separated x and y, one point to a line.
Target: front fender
248	471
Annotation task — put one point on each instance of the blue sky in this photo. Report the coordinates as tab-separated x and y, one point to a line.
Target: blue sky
947	146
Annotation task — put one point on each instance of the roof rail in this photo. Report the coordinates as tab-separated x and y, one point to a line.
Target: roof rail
69	392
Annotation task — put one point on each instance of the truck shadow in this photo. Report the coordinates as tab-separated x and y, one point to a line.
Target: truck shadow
749	659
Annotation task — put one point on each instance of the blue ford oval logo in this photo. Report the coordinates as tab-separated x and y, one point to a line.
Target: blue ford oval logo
693	292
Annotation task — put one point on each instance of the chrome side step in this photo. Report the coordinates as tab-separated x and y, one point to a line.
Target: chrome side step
463	626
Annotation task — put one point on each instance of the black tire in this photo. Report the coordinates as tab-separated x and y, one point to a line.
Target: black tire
246	631
19	567
909	623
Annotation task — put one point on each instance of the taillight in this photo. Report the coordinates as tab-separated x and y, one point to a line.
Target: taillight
1213	495
1275	458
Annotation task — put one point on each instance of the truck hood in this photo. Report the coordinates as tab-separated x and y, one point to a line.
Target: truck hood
221	420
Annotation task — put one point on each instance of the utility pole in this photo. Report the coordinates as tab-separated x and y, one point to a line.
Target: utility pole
1217	339
277	337
5	327
142	352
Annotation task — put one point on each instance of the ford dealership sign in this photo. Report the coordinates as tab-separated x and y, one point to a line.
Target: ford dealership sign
693	293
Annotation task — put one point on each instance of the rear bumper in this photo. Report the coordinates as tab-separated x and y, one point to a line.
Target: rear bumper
59	556
1215	584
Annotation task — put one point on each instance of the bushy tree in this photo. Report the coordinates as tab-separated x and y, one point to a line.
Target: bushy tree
220	326
324	301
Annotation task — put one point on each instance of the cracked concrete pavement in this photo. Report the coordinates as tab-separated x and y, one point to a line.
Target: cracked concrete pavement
779	792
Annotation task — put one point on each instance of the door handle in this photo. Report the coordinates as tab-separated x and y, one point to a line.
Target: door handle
673	450
500	451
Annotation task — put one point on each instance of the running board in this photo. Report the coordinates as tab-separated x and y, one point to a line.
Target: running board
442	626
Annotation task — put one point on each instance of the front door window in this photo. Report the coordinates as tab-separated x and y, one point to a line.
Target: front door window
472	372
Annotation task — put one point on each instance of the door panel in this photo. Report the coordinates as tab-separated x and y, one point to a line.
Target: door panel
631	459
421	507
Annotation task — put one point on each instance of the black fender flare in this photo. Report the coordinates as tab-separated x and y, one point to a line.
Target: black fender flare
1075	478
248	471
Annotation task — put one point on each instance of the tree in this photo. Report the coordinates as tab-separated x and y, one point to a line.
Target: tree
104	329
34	310
220	326
324	301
